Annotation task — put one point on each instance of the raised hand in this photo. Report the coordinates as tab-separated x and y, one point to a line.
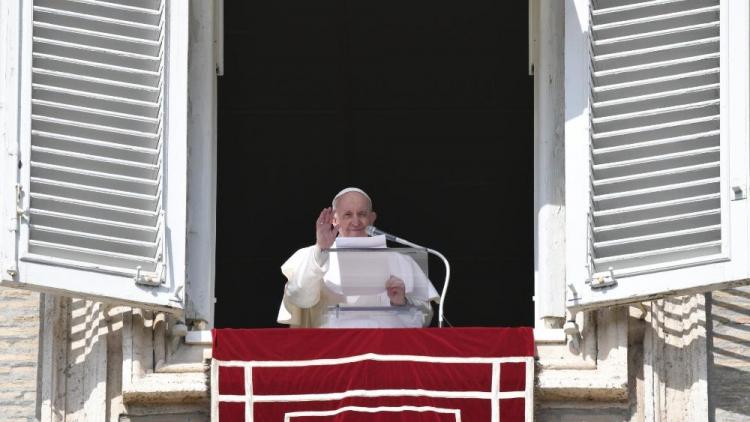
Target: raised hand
325	231
396	291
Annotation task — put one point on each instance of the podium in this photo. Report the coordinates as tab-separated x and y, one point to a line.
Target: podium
406	316
359	275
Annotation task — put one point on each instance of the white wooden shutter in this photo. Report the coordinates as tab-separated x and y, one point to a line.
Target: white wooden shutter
656	148
102	149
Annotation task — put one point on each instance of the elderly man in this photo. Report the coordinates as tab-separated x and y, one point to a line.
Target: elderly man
307	298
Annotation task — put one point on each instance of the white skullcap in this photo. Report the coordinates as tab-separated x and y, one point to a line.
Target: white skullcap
347	190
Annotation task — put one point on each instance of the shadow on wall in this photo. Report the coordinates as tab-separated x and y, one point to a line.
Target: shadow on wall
729	354
73	370
676	362
88	347
666	359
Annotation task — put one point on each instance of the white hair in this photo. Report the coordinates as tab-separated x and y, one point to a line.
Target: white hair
347	190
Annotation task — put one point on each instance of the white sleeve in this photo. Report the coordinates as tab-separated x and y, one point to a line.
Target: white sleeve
424	308
304	272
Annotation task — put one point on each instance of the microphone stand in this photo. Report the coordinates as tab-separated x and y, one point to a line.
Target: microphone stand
405	242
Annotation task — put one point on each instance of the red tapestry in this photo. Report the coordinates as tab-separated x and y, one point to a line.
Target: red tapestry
362	375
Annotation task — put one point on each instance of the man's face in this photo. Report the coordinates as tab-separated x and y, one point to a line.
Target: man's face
353	214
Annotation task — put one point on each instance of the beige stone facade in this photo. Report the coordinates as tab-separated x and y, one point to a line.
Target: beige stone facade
729	359
19	348
100	363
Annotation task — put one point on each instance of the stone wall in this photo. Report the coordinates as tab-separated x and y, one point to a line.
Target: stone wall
729	357
666	368
19	348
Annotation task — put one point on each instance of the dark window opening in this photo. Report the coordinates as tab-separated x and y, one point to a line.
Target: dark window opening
427	105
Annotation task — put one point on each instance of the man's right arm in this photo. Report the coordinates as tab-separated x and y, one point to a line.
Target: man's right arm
304	272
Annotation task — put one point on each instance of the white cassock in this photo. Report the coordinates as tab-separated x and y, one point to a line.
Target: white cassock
308	297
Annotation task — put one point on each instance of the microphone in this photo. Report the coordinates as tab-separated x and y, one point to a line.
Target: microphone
374	231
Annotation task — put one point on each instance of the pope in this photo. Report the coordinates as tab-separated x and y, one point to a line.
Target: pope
307	297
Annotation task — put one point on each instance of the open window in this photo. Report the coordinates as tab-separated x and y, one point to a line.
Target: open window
656	140
94	184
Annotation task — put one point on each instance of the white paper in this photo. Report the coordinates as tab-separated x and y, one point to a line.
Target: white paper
360	242
359	273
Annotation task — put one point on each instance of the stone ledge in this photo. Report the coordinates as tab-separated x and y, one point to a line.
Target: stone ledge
168	388
587	384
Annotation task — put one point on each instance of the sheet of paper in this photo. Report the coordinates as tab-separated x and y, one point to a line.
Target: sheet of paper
360	273
360	242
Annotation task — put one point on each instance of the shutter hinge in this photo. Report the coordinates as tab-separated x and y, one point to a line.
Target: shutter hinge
20	210
602	280
10	273
178	295
738	191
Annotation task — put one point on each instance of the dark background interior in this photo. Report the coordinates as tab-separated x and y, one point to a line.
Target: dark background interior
427	105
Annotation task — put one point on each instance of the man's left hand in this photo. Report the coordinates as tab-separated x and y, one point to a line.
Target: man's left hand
396	291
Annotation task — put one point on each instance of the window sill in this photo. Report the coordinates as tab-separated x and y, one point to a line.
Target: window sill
199	337
549	335
541	335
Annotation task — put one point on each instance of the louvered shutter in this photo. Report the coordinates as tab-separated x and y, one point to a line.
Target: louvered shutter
659	160
102	149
